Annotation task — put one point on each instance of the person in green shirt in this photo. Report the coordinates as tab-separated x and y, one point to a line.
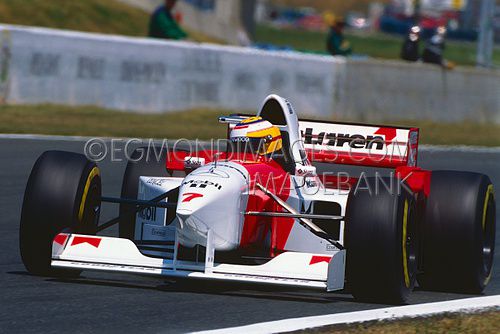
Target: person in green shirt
336	43
163	24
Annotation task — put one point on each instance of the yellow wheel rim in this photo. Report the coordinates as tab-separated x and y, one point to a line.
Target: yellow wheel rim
489	192
405	260
93	173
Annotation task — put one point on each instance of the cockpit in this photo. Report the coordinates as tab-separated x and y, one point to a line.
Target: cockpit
272	134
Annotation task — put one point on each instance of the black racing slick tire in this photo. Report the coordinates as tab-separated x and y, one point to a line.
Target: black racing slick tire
145	161
63	194
458	238
381	241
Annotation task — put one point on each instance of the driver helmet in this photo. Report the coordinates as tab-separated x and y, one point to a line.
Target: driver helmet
257	135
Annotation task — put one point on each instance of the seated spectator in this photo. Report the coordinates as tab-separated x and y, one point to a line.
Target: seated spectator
163	24
336	43
434	50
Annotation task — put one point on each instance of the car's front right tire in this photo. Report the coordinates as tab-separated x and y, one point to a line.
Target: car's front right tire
381	241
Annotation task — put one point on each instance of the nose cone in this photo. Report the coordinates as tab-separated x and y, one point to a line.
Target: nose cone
193	203
211	199
198	208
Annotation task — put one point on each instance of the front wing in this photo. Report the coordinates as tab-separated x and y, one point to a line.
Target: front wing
122	255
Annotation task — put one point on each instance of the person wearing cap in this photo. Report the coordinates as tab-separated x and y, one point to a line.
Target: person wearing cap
336	44
411	47
163	24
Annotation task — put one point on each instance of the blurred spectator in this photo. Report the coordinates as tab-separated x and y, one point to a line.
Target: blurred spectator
336	43
273	15
163	23
434	49
411	45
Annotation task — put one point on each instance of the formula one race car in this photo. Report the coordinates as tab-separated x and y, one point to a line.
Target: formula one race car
258	211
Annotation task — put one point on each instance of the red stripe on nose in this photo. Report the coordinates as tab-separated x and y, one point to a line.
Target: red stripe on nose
191	196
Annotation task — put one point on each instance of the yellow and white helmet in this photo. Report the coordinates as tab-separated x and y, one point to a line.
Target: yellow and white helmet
257	135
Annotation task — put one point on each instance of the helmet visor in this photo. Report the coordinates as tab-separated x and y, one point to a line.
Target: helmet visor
248	145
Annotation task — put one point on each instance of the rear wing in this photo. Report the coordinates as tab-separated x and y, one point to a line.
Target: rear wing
359	144
351	143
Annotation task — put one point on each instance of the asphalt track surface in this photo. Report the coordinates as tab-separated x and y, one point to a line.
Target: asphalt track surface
109	303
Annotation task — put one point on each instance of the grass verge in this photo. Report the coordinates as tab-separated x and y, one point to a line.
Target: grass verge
376	45
103	16
99	16
337	7
201	124
483	323
94	121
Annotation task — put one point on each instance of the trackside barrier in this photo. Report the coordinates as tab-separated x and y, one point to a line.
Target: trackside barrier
40	65
53	66
381	90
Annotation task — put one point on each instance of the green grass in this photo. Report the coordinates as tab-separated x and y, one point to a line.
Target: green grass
337	7
99	16
103	16
484	323
201	124
376	45
93	121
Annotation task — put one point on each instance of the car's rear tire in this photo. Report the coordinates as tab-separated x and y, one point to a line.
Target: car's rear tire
144	162
63	194
381	242
459	227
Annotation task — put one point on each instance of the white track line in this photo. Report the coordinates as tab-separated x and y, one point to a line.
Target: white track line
390	313
424	148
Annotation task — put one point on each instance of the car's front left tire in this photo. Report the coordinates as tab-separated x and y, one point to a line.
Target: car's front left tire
63	194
